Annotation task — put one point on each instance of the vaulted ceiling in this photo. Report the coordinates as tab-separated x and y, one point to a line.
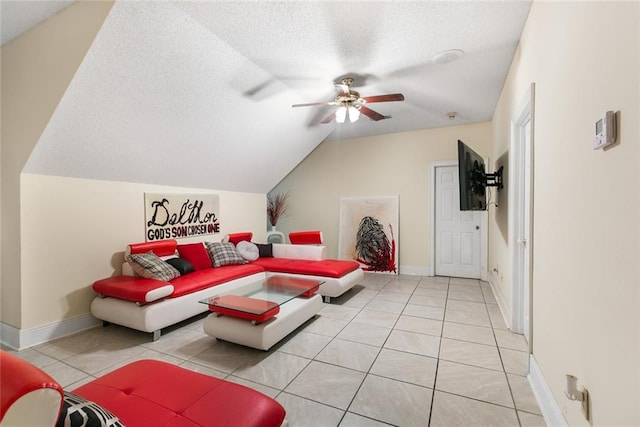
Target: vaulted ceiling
199	94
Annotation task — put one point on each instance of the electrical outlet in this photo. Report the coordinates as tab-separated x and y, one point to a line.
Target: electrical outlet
497	273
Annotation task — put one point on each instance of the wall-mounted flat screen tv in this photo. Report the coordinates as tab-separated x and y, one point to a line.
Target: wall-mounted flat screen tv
471	171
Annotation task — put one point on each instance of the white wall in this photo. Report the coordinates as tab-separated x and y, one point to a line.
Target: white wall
74	232
584	58
394	164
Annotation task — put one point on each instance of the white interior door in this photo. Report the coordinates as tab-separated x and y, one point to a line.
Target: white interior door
458	234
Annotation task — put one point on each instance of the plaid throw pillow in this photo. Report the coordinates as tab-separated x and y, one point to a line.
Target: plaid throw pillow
150	266
223	253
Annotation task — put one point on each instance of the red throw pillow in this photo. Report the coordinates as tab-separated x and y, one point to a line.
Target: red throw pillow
196	254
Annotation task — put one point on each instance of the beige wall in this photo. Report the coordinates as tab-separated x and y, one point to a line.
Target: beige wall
395	164
584	59
74	231
36	70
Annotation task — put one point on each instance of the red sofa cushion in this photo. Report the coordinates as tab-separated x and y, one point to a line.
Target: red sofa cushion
327	267
136	289
154	393
202	279
139	289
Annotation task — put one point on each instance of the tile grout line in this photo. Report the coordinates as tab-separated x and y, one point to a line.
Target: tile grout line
346	410
504	371
312	359
366	374
435	376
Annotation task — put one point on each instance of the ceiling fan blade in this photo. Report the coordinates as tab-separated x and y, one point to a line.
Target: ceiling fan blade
384	98
373	115
329	118
311	104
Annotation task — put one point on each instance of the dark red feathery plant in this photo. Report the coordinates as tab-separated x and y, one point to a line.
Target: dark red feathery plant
276	206
373	247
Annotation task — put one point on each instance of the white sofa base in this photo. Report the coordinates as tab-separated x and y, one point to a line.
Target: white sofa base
157	315
264	335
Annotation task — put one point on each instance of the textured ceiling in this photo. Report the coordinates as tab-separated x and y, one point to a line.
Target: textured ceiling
199	93
16	17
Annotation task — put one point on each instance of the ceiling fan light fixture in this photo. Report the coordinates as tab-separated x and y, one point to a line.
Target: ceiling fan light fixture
341	114
354	114
351	104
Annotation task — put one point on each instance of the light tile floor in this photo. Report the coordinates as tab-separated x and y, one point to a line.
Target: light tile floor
394	350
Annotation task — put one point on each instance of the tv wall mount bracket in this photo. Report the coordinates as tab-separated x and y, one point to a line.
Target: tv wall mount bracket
494	179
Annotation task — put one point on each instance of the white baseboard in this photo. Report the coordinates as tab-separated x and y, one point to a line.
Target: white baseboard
505	306
415	270
550	410
9	336
19	339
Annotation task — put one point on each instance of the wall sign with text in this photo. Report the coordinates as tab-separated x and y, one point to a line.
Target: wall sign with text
178	216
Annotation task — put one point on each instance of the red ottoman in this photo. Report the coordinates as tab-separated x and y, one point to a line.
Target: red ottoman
144	393
153	393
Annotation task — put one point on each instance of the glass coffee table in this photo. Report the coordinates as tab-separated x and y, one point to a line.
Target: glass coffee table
261	313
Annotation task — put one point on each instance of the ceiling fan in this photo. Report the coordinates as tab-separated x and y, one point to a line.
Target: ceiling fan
352	104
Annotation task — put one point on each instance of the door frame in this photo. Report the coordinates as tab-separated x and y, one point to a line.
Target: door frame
484	222
524	113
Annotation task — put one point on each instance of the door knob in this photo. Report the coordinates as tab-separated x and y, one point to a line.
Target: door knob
477	227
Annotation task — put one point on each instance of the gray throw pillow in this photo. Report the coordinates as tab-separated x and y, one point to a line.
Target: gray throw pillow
248	250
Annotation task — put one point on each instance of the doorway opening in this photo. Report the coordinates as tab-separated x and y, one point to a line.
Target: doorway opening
521	215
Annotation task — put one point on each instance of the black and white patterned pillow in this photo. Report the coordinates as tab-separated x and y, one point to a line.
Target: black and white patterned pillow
223	253
80	412
149	265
